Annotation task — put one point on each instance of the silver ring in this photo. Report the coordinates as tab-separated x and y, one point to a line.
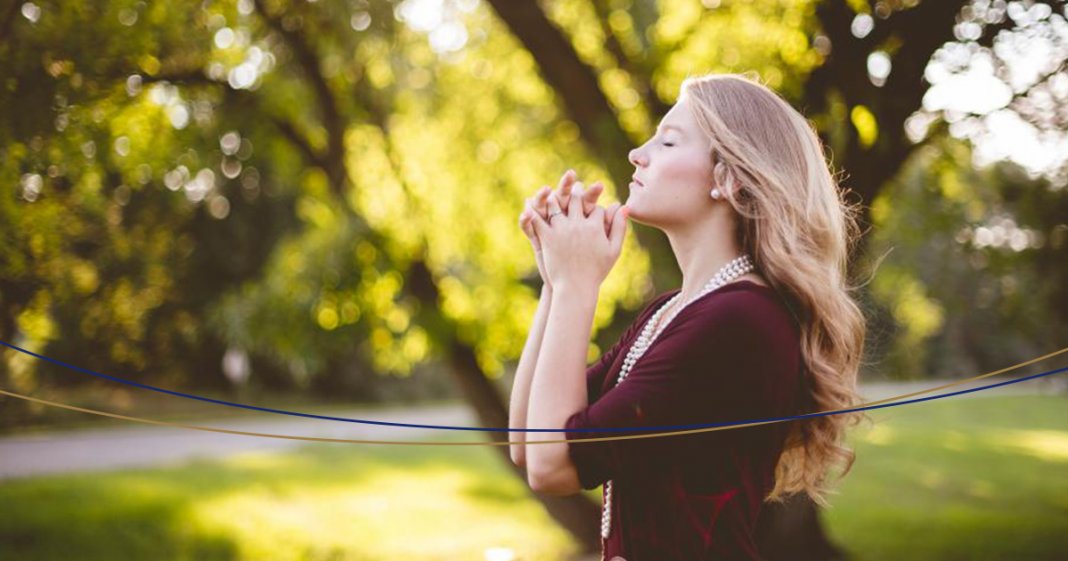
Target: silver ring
552	214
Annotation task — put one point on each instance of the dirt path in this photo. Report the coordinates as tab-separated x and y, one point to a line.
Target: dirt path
99	449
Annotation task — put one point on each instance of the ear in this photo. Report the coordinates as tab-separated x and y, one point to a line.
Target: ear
723	178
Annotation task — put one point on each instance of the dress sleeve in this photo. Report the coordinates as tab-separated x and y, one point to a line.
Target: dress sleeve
709	365
596	372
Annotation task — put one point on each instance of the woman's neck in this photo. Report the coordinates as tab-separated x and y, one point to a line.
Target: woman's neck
701	253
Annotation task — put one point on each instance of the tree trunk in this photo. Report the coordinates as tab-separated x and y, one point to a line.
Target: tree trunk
13	412
577	513
581	98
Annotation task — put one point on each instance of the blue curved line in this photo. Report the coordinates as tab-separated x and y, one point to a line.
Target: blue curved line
446	427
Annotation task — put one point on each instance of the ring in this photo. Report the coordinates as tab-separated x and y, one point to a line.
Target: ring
552	214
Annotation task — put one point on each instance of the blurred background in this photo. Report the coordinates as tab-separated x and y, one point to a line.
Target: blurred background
313	205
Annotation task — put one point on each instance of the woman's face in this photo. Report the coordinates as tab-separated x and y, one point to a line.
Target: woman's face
673	172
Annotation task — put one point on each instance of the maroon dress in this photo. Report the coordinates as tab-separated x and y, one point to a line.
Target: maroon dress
732	355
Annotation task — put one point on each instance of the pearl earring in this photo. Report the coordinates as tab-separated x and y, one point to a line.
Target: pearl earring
716	194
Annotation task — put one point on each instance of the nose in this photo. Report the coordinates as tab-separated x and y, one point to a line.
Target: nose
636	157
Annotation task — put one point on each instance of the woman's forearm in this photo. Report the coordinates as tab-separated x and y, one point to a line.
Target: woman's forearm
524	374
559	386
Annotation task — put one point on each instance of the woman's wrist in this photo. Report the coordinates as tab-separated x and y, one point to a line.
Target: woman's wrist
575	290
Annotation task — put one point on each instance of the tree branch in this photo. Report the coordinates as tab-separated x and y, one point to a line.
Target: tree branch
194	77
640	76
925	28
8	21
574	82
333	161
576	85
298	140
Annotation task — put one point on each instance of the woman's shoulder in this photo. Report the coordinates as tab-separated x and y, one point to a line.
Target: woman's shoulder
737	305
741	303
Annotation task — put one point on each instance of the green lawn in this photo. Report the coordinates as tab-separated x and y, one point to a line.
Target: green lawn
968	479
959	479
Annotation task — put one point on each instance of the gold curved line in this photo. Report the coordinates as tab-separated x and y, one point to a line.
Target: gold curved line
503	443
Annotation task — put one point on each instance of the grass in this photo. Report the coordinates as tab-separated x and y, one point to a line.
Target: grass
323	502
968	479
975	479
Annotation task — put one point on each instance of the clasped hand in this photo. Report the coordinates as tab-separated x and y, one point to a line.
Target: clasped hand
576	242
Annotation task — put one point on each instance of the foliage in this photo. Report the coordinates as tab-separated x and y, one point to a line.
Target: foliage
106	263
260	175
966	272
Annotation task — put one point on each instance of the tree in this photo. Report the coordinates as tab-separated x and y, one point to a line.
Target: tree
111	255
373	145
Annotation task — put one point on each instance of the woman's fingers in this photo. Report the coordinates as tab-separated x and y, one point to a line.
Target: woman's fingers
573	206
589	198
554	208
619	229
542	225
541	200
609	216
524	216
565	188
577	189
566	179
527	223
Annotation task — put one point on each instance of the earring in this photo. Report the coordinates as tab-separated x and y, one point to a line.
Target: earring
720	176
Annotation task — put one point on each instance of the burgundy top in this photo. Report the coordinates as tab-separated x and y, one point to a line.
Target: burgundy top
732	355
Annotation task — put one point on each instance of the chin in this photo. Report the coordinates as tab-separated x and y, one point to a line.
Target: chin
635	214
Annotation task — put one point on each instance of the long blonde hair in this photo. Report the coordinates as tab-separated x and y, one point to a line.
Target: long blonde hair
796	225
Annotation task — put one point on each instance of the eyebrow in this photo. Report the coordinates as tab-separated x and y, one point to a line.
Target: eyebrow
666	127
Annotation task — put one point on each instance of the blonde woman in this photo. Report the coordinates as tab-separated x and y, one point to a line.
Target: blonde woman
763	326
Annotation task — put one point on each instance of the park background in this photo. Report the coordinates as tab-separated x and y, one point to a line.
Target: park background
313	205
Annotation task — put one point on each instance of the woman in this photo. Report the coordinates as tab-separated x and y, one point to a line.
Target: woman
763	326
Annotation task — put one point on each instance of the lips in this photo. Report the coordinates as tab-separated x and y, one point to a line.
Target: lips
638	181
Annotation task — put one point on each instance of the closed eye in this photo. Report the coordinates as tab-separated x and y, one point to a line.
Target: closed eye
668	143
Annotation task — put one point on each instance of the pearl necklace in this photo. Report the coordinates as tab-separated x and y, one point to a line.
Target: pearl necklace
726	274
